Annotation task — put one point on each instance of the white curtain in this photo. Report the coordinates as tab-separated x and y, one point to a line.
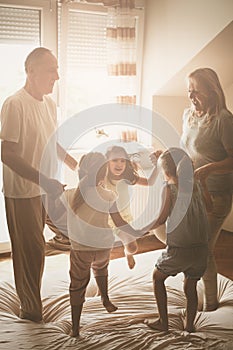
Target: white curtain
121	43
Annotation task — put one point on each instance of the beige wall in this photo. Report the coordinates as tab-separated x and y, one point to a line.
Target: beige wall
175	31
171	108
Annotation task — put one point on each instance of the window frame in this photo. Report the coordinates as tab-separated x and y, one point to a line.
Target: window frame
48	23
48	18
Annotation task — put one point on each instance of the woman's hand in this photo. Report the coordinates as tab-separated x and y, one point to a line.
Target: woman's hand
202	173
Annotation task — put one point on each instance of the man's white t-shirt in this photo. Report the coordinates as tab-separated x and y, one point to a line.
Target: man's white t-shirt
31	124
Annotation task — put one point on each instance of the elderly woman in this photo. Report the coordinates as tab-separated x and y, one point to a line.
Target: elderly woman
208	139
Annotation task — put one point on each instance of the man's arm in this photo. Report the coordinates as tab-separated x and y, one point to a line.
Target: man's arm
70	161
11	158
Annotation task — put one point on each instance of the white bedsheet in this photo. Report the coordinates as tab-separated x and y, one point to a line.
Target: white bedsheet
131	291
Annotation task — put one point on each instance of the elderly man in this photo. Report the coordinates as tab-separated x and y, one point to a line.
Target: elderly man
28	119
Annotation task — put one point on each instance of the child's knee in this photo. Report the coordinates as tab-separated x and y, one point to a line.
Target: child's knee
131	248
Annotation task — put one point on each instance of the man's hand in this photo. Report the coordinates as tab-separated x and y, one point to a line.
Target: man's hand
51	186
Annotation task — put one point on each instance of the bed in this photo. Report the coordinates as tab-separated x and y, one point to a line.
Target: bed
131	291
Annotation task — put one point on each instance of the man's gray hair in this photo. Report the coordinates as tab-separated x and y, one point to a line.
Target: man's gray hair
35	56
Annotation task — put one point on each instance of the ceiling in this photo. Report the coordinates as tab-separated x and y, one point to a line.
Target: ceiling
218	55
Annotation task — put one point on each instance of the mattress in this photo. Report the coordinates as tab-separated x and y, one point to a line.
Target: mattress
132	292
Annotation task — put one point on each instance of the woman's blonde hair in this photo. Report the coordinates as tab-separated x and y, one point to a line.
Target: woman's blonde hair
92	170
208	78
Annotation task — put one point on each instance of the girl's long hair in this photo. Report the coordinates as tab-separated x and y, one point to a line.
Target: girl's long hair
92	170
208	78
130	173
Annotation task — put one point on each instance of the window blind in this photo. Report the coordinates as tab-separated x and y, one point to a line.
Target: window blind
86	40
20	25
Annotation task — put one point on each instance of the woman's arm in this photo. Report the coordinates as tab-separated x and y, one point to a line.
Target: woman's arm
222	167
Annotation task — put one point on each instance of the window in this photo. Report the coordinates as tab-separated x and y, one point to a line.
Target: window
19	33
83	60
22	28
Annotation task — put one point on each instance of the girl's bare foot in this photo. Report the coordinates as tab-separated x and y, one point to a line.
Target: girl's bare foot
131	261
74	333
109	306
156	325
190	330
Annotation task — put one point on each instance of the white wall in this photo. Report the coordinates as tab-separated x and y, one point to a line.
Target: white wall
175	31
